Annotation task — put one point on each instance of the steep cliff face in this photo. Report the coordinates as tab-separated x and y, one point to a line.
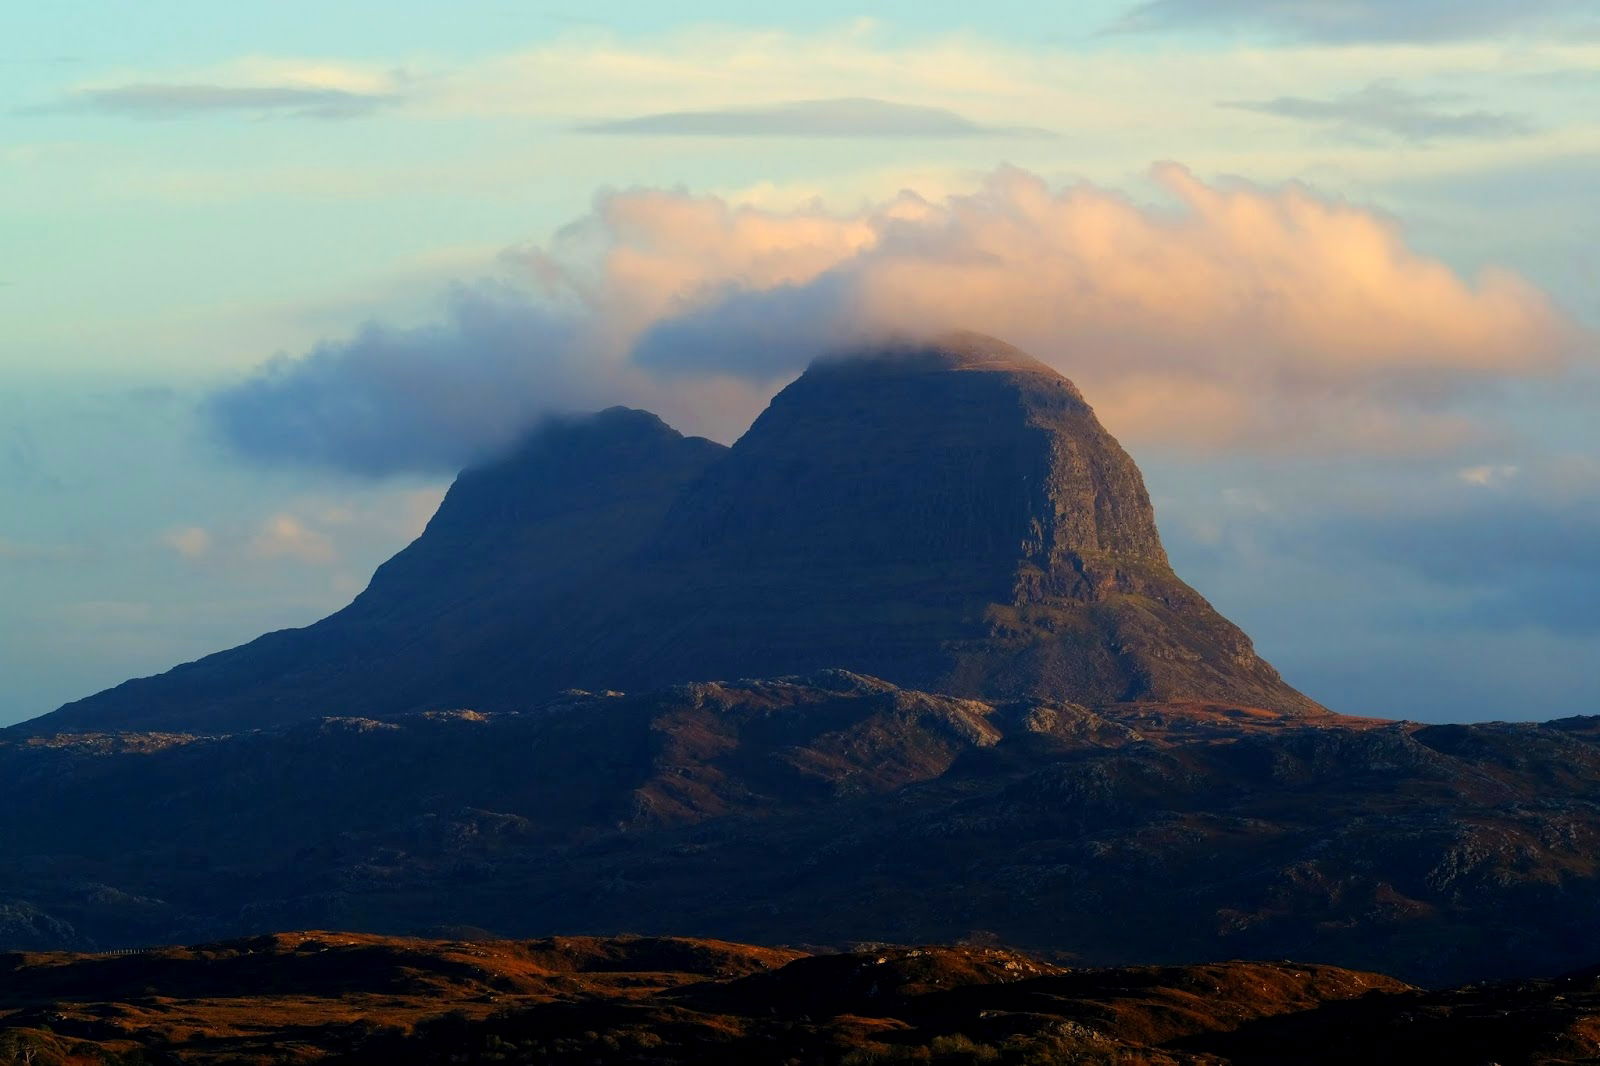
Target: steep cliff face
949	516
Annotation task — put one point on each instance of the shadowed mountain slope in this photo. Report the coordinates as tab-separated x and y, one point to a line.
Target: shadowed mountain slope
950	517
515	544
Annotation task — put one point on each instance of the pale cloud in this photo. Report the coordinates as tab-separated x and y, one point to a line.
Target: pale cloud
417	507
1386	109
1103	100
358	79
434	398
986	81
945	83
1226	316
312	528
253	86
714	68
396	514
169	100
190	542
1091	93
346	586
1363	20
283	536
1245	315
844	117
426	398
1492	475
1196	410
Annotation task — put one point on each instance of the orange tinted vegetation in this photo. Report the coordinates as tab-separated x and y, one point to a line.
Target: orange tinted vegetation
360	999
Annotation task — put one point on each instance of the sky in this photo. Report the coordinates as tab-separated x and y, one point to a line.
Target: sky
1330	269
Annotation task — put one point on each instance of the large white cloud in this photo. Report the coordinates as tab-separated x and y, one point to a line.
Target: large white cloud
1227	316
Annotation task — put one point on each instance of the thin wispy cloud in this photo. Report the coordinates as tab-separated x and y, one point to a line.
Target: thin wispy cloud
1359	21
1385	109
168	100
845	117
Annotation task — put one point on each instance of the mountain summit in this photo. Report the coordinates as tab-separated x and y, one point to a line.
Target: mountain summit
949	516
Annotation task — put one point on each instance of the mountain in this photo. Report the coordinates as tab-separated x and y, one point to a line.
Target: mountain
828	809
950	517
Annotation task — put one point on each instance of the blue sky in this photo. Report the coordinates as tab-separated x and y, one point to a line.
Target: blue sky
1348	332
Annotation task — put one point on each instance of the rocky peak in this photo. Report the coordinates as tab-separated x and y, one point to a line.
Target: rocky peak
961	451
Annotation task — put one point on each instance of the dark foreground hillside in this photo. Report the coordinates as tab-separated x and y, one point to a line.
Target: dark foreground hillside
830	809
347	998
